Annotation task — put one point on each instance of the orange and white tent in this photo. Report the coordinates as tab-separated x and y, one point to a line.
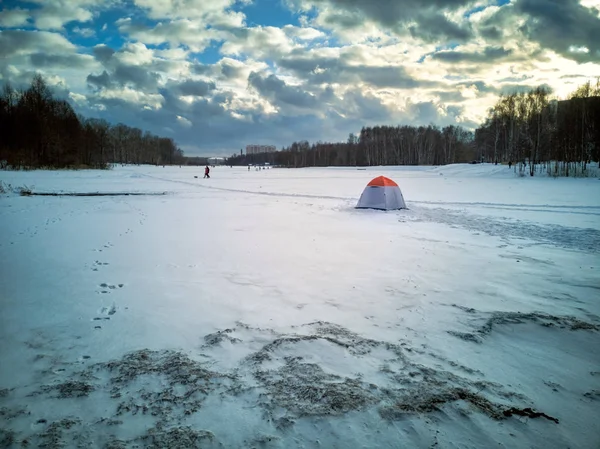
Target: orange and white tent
381	193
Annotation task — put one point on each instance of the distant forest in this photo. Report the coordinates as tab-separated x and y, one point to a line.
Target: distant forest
40	131
528	129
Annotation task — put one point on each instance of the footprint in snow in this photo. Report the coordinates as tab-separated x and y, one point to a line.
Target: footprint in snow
105	286
108	310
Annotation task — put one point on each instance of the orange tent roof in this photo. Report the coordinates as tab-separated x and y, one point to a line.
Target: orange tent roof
382	181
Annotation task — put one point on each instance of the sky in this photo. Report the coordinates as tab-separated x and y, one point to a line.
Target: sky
217	75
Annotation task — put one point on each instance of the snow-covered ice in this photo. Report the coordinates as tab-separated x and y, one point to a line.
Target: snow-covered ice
260	309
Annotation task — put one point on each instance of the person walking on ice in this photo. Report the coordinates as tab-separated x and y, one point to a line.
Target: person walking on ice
206	172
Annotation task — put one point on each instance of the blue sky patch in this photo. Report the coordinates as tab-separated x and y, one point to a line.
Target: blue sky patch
269	13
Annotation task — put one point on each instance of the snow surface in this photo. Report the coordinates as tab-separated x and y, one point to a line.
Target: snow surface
260	309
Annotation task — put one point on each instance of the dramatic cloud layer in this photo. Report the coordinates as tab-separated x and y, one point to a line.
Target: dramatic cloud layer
217	75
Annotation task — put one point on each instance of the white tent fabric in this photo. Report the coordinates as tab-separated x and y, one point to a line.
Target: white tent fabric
383	194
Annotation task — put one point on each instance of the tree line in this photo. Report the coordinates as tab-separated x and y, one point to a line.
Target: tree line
39	131
533	130
379	145
528	129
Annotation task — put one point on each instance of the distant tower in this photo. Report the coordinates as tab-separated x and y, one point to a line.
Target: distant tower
241	152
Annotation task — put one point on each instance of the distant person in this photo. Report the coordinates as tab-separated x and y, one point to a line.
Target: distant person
248	168
509	164
206	172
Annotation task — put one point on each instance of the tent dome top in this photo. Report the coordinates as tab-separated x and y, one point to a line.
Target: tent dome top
382	181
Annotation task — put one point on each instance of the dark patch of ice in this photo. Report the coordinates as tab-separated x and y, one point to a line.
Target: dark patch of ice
218	337
502	318
178	438
467	336
430	399
175	366
70	389
116	444
7	438
594	395
53	436
186	383
563	322
8	414
306	390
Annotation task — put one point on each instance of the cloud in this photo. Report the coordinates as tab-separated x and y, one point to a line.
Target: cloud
54	14
563	26
365	107
84	32
386	76
344	67
218	13
485	55
134	54
25	53
103	53
232	69
132	58
233	74
136	76
184	121
191	33
280	93
45	60
11	18
128	97
134	66
78	99
303	33
197	88
18	42
428	21
259	42
99	81
431	27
